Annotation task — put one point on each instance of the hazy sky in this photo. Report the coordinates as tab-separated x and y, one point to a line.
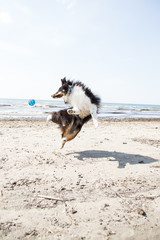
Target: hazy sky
113	46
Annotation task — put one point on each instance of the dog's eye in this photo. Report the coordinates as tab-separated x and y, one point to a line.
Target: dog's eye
63	90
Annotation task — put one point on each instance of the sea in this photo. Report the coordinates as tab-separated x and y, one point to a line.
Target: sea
17	109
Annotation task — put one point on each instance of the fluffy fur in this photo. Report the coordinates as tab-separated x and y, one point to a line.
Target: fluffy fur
70	125
83	101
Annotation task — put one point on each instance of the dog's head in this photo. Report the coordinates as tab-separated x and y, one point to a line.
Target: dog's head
64	89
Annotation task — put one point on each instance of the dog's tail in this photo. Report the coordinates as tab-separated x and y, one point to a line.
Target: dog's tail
54	117
49	118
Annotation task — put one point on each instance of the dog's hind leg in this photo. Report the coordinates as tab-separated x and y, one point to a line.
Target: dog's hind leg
69	136
63	130
93	110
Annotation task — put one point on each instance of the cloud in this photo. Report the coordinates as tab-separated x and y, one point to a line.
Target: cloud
5	17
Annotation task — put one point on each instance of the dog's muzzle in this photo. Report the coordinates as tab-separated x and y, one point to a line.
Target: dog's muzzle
57	95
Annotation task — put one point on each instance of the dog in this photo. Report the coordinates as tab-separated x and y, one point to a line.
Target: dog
70	125
82	100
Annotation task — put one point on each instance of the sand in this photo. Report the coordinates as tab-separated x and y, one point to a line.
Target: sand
104	184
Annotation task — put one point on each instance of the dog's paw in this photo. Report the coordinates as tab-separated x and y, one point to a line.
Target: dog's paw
63	142
71	111
95	124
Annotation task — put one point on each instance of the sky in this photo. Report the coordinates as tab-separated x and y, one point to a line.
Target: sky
112	46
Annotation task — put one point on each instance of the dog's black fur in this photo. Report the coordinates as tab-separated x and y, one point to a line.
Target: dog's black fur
70	125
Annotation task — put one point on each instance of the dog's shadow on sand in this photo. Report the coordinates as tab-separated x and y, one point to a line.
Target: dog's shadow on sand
121	158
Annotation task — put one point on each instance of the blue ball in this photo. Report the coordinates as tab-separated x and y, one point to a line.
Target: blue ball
31	102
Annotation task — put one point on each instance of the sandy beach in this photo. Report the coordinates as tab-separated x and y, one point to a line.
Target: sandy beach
104	184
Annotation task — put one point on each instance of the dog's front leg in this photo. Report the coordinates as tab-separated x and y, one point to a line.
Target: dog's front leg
93	111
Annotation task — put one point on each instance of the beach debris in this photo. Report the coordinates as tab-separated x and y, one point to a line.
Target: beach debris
56	199
105	206
141	212
7	227
21	182
101	221
80	175
107	139
77	183
69	211
147	197
73	211
151	142
111	233
32	233
1	193
155	166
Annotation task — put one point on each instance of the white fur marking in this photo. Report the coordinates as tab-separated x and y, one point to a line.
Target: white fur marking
81	103
93	111
49	118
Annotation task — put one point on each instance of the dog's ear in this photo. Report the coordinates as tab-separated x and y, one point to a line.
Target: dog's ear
63	80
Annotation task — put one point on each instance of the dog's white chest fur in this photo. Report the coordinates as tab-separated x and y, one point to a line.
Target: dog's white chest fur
81	103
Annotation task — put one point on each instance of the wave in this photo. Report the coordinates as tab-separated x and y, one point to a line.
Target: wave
5	105
19	109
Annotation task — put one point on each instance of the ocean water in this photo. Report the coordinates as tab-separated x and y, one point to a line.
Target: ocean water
20	109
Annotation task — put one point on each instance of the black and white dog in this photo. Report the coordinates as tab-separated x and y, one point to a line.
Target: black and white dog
82	100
